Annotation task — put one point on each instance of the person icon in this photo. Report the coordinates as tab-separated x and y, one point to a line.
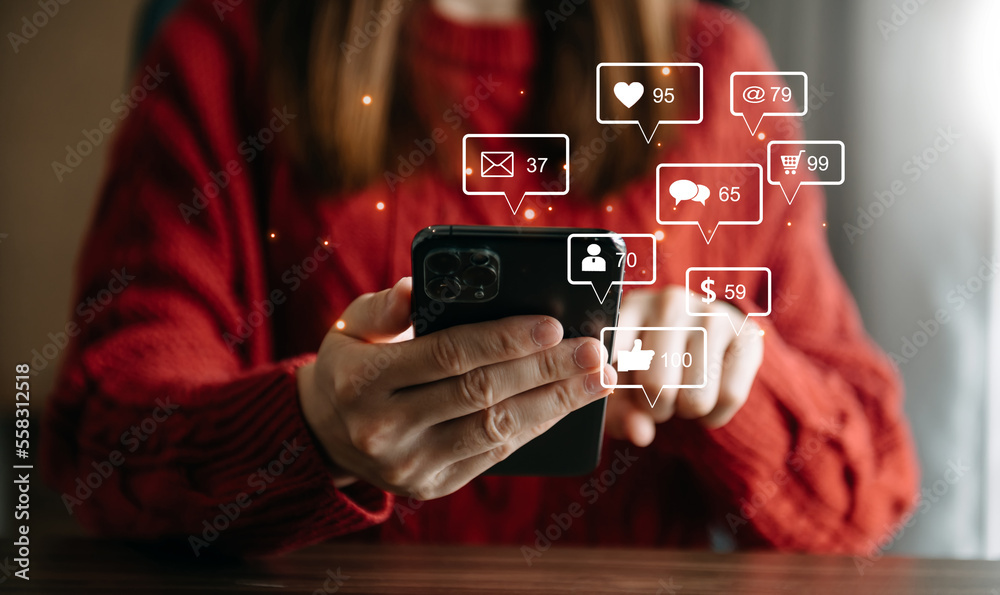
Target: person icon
594	263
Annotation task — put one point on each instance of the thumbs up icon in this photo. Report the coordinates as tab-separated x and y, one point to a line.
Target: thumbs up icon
637	359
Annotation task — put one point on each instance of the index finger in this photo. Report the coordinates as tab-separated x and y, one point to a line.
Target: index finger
457	350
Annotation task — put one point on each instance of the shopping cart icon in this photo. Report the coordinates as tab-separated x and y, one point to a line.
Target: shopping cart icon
791	162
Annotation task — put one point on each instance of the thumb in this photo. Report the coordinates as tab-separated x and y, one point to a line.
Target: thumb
378	317
625	421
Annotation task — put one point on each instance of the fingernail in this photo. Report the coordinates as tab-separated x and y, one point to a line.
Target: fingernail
546	334
396	292
592	384
610	375
587	356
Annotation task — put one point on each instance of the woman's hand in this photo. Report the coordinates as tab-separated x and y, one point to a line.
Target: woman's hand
731	366
422	417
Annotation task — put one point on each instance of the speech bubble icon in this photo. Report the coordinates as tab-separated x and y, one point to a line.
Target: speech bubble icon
649	94
735	195
754	95
682	190
593	259
662	354
739	286
515	165
791	164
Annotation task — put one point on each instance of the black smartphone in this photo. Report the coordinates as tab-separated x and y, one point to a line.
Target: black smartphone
468	274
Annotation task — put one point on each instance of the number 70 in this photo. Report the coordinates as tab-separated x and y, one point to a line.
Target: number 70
629	258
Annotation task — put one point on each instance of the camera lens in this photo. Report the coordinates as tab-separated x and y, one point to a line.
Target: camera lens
479	276
480	258
443	263
444	289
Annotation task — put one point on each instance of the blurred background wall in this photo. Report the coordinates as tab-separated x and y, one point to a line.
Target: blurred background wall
62	81
911	87
894	79
59	83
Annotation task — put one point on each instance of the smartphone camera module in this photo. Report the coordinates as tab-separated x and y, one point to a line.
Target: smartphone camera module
444	289
444	262
456	275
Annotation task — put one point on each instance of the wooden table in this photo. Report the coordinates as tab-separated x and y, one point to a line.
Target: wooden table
82	565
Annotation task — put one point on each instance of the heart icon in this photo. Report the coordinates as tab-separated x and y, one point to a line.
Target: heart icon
628	94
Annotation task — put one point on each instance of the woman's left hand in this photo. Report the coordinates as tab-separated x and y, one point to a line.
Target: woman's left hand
731	365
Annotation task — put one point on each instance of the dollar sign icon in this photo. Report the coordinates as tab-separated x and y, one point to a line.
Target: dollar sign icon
706	288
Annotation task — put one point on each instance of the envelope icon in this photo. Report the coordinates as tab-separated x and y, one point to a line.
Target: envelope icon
497	164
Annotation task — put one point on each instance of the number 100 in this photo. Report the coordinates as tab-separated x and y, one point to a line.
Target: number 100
677	360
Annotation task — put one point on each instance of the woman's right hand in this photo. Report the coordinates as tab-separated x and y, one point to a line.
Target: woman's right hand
423	417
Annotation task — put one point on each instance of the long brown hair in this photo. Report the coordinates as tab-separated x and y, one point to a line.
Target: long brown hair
345	145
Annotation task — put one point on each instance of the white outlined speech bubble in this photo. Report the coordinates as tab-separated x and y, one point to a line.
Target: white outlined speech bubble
792	164
577	274
646	362
756	95
722	207
708	284
616	78
496	166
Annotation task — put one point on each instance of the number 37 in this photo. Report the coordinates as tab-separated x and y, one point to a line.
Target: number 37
536	164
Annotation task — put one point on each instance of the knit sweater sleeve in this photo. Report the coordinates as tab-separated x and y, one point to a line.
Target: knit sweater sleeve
171	419
820	458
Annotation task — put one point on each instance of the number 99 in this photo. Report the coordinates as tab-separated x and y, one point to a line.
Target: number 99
822	163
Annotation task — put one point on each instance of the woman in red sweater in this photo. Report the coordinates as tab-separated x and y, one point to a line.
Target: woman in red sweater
255	200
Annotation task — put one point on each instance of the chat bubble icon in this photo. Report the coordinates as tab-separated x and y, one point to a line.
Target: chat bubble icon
739	286
755	95
792	164
648	94
603	260
735	195
682	190
662	356
515	166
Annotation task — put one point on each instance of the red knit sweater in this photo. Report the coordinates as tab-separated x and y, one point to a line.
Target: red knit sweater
184	383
